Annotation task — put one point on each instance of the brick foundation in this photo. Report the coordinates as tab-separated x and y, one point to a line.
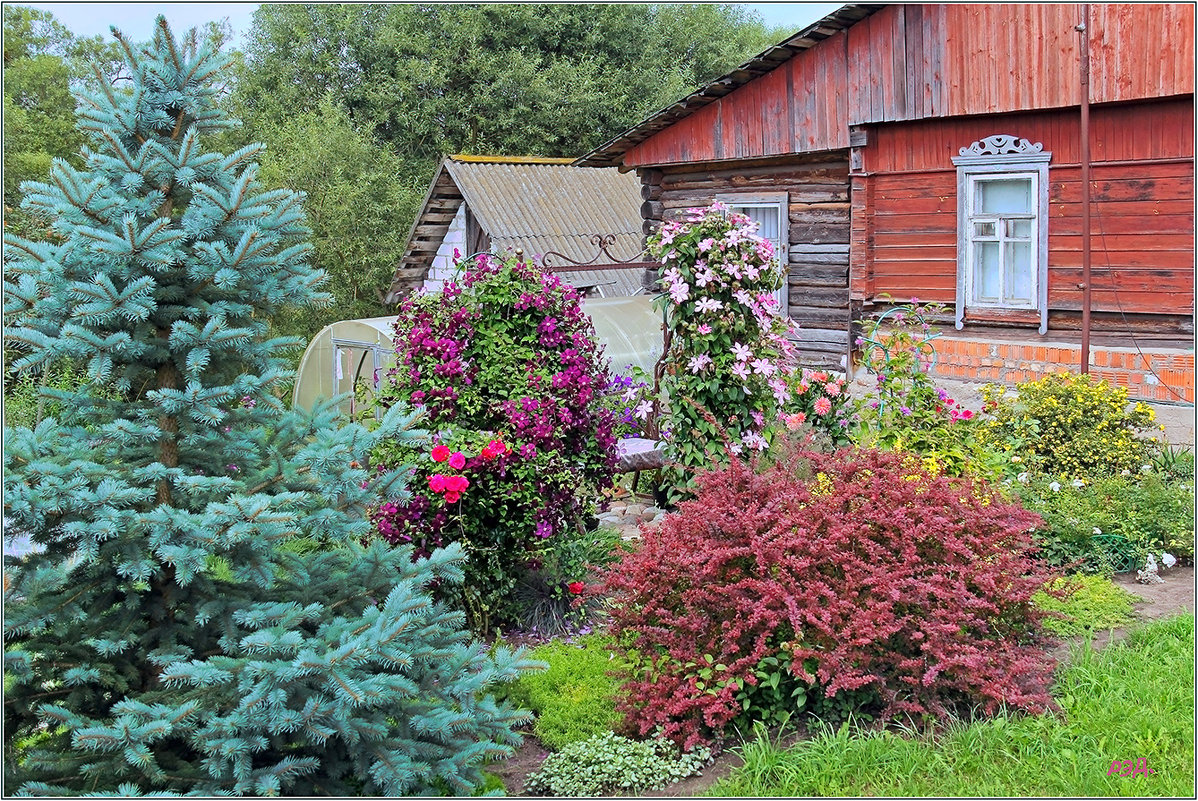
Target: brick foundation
1152	374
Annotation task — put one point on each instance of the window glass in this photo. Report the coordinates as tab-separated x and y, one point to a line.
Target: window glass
1004	196
1019	272
987	272
766	218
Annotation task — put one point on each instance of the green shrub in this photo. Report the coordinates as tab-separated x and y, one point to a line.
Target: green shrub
1095	604
607	764
1069	425
1154	515
575	698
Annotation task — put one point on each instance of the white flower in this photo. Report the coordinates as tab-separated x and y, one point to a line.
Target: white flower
740	371
736	448
1078	483
644	409
1055	487
680	292
1097	530
763	367
630	394
756	441
1145	468
697	363
708	305
741	352
1125	472
1022	478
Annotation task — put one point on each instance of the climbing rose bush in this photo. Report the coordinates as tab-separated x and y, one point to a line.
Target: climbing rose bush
508	371
729	356
862	573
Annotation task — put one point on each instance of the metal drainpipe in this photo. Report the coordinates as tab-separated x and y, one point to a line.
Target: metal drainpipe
1083	29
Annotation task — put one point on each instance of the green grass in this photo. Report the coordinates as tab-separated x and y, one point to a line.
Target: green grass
575	698
1096	604
1133	699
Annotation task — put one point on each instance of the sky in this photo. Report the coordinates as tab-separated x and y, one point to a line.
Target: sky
136	19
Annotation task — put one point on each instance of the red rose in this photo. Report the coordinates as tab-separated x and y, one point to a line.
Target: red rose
440	453
452	497
437	483
457	461
456	483
576	587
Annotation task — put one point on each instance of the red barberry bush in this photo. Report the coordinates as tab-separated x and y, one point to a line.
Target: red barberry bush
864	573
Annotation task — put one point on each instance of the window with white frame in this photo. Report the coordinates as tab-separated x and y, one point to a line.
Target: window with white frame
1002	239
771	212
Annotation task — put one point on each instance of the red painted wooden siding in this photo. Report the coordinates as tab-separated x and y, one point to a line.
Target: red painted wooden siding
1143	221
911	62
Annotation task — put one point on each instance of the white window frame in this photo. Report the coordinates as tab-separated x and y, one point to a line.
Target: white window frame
770	200
996	158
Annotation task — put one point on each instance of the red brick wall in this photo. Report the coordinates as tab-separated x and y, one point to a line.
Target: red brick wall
1155	374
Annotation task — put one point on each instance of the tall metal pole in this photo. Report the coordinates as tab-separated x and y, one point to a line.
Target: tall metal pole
1083	29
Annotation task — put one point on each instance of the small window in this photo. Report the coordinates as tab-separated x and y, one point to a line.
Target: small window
1002	240
771	212
1001	261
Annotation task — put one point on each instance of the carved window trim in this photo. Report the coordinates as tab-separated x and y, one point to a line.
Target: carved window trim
995	157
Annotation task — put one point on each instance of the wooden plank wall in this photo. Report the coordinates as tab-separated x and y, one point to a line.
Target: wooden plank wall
919	61
1143	202
818	256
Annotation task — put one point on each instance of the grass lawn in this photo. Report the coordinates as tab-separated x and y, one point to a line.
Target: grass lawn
1132	700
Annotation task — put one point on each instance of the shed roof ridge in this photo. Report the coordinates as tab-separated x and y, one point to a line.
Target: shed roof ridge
530	160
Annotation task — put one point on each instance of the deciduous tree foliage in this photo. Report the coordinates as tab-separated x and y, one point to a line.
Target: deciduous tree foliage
434	78
169	637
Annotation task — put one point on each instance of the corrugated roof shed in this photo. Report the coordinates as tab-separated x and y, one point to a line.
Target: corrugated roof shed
535	205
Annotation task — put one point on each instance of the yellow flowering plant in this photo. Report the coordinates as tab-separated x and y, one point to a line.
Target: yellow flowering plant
1069	425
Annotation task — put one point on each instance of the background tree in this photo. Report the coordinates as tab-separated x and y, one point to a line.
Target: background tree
359	203
201	616
418	81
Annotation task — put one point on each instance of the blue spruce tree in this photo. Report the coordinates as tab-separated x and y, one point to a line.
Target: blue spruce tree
169	635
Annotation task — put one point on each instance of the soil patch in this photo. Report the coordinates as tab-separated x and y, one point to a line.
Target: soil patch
1172	597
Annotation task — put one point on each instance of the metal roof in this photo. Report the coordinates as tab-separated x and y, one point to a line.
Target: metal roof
527	203
609	153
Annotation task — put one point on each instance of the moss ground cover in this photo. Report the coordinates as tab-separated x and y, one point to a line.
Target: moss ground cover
575	698
1132	700
1097	603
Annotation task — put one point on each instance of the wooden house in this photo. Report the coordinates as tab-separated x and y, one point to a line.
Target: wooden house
543	206
934	151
